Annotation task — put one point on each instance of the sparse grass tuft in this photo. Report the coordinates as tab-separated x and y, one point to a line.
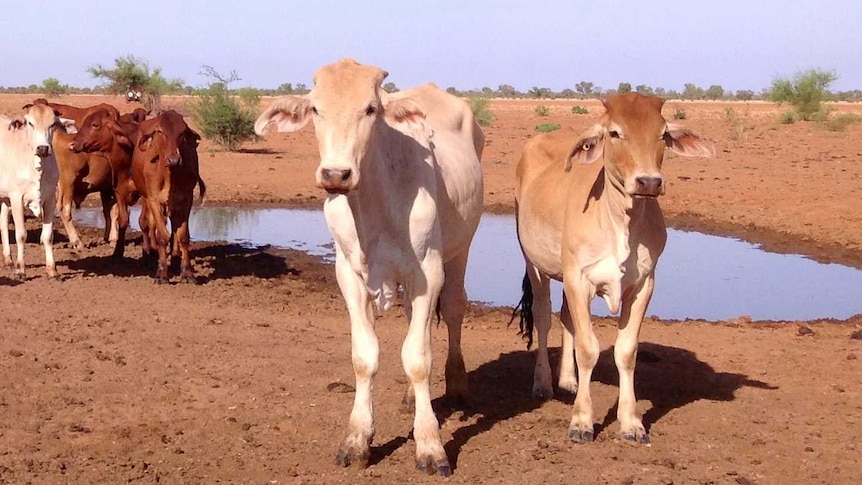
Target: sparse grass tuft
739	125
542	110
580	110
679	114
842	121
547	127
787	117
481	112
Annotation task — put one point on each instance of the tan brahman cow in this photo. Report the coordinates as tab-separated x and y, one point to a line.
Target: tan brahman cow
404	199
588	215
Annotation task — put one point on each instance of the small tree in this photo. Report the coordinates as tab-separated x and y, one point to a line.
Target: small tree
585	88
745	95
691	91
624	88
227	120
390	87
644	90
131	74
481	113
804	92
52	87
715	92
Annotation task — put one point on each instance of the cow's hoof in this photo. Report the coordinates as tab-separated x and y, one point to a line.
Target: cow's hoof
542	393
637	436
430	466
160	281
188	279
580	435
349	455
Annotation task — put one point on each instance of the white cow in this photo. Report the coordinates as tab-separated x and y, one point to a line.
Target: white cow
404	198
28	176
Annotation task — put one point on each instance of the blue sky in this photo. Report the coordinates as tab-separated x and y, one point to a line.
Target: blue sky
466	43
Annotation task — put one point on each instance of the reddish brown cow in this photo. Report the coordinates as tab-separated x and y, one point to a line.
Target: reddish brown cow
103	135
73	112
165	172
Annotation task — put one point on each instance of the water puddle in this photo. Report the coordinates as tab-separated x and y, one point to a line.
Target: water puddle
698	276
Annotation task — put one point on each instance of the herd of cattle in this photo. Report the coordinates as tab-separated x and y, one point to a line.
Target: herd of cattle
55	155
404	197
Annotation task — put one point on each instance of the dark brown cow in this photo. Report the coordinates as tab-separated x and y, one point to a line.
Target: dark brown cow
103	135
165	172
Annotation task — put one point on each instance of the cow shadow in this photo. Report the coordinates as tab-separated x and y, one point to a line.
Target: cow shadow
668	377
226	260
233	260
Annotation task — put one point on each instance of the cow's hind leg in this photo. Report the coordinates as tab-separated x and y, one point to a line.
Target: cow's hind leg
634	307
567	380
453	304
356	447
64	205
541	289
111	213
424	291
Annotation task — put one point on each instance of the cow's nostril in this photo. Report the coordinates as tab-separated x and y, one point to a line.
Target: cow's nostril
345	175
42	150
648	185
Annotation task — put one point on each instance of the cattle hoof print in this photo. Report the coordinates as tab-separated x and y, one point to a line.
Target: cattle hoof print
441	468
581	436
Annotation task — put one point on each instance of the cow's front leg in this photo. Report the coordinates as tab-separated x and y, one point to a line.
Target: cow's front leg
625	354
4	234
356	447
578	295
567	381
423	292
47	236
17	204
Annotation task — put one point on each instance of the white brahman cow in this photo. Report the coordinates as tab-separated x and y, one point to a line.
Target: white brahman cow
404	198
28	177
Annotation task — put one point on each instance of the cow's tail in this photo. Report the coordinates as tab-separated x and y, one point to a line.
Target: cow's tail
202	192
525	311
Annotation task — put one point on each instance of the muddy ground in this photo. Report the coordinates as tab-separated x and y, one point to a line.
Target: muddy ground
108	378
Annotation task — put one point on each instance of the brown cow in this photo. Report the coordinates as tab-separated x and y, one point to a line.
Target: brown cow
588	214
165	172
103	135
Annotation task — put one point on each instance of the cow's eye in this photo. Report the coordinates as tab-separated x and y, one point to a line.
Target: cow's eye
314	109
614	134
370	110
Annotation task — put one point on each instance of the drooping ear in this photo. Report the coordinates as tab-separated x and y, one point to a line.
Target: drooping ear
68	125
16	123
588	148
403	112
289	113
685	142
119	134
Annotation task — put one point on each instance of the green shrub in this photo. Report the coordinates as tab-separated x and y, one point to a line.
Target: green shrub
842	121
679	114
223	118
547	127
739	125
542	110
787	118
580	110
52	87
804	92
483	115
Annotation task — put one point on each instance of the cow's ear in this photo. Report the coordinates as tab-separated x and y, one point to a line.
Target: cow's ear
403	112
588	148
16	123
288	113
119	133
143	139
685	142
68	125
193	136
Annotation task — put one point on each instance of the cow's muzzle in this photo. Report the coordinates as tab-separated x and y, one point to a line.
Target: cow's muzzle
43	151
175	161
336	180
648	186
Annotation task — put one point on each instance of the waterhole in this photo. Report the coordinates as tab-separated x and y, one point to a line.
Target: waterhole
699	276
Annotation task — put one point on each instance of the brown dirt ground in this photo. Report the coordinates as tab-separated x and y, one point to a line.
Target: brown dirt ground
108	378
